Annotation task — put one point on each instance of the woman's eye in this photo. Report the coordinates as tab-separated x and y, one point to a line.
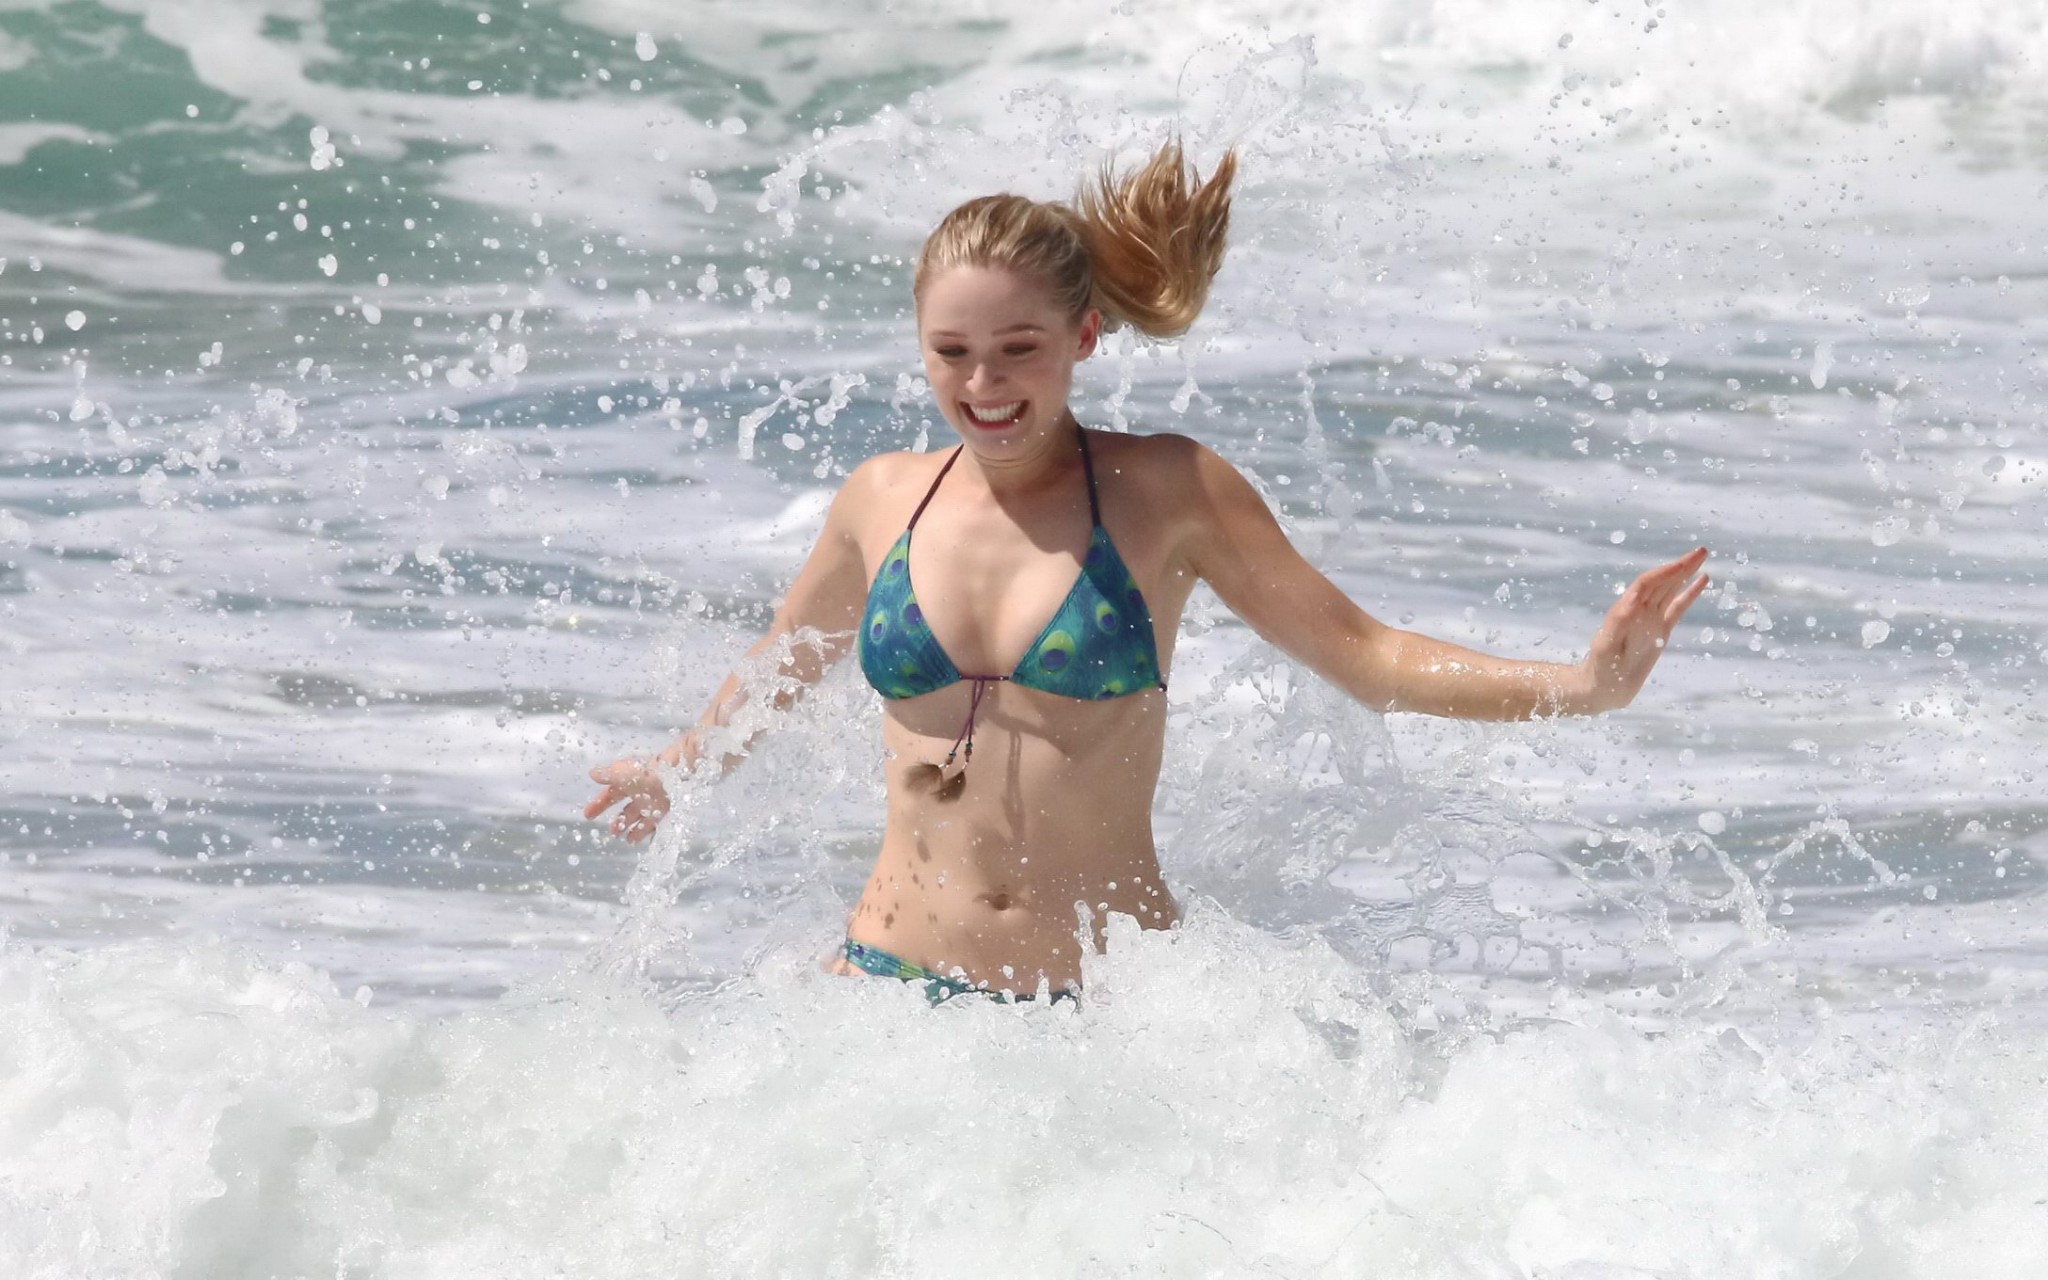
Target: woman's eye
1019	351
952	353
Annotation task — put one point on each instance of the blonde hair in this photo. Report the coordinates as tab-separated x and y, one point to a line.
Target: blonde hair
1141	246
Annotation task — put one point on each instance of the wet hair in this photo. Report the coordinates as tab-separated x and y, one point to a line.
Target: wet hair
1140	246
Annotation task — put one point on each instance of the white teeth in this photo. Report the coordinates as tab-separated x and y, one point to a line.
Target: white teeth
999	413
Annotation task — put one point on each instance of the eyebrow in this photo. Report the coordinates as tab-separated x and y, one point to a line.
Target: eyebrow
1015	328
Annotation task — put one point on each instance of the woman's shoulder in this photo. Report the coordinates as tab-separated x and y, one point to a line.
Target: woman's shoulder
1165	463
881	481
885	471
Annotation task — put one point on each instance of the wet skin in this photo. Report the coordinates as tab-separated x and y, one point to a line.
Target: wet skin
995	875
993	869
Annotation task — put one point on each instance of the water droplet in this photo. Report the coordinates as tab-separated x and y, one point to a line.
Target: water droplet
1889	530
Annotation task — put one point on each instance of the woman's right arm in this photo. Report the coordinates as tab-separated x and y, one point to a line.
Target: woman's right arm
824	601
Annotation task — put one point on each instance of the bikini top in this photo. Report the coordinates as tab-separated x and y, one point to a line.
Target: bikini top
1098	643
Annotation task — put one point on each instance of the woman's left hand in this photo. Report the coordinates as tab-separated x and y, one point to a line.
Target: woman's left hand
1632	636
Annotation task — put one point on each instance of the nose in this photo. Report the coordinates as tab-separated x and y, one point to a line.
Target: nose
983	379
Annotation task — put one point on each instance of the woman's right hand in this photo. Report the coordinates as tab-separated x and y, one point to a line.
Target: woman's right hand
634	781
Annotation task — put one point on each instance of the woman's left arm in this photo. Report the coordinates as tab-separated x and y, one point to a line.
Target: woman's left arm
1234	544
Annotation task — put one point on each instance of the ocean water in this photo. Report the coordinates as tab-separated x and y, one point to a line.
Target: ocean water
405	406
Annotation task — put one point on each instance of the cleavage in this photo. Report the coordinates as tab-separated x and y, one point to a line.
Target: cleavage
988	592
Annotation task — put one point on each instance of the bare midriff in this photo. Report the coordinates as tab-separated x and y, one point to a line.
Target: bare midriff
1004	875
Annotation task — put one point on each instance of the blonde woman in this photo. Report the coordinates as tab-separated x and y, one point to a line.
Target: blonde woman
1015	600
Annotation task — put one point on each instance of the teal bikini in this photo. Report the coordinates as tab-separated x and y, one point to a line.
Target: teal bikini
938	988
1098	644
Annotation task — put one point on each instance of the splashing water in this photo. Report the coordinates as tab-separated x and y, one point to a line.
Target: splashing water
405	407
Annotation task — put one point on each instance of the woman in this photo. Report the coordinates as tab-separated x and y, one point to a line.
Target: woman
1023	652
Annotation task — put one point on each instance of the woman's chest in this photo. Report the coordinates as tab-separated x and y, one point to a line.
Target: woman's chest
991	587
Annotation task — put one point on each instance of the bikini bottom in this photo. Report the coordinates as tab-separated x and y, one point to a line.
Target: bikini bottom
938	988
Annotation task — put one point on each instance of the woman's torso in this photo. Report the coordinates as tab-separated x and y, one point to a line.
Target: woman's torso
999	871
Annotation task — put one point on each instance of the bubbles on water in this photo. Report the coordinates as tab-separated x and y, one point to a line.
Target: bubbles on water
1875	632
644	47
74	320
1713	822
1823	362
323	151
275	411
155	488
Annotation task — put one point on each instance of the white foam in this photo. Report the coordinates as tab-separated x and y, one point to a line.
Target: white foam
121	261
18	139
1219	1100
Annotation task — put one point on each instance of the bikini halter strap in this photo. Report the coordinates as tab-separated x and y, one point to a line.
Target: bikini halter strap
935	487
1087	469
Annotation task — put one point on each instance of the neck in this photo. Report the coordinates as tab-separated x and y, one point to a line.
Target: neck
1045	460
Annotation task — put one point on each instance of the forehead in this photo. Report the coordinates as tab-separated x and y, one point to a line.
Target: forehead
972	301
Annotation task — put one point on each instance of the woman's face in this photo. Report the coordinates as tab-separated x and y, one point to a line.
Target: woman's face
1000	357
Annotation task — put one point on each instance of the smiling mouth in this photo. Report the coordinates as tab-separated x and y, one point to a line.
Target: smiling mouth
994	415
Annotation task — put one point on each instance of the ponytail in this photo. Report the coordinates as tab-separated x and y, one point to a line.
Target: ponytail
1142	246
1155	238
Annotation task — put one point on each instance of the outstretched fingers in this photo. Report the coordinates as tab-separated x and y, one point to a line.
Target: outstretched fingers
622	779
608	774
1658	586
605	799
1675	610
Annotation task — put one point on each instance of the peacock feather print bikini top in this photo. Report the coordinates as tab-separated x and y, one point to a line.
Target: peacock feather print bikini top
1098	643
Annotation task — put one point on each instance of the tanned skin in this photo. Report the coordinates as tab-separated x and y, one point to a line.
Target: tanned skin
980	876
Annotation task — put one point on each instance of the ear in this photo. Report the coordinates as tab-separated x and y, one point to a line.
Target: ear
1091	331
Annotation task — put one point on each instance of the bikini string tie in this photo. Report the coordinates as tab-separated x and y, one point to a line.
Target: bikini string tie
963	746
